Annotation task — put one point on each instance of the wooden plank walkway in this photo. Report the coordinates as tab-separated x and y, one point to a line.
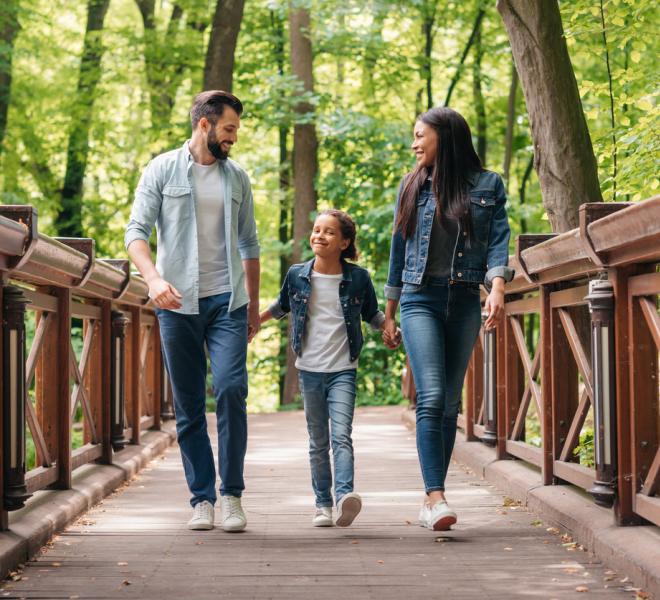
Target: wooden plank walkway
135	544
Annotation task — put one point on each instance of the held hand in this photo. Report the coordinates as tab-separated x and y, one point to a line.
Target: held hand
254	321
391	334
163	294
494	306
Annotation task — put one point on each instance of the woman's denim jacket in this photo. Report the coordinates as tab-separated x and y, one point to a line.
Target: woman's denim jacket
356	293
485	258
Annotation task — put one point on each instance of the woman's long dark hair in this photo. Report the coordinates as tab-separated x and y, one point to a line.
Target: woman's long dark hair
455	160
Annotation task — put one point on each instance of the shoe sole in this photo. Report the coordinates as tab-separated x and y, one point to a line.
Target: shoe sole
200	527
350	509
444	523
234	528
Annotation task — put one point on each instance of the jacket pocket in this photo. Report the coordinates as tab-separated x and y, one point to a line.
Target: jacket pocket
177	202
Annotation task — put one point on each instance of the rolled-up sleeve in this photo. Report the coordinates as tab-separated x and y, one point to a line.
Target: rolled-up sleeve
146	206
248	240
397	256
370	311
497	259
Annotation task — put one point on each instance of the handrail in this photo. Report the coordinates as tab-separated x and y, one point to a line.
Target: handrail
119	383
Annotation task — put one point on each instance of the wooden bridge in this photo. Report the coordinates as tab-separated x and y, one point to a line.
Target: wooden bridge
92	382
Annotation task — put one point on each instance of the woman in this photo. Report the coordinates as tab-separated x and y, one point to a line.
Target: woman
451	234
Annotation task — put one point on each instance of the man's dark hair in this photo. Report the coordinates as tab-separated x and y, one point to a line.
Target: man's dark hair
211	104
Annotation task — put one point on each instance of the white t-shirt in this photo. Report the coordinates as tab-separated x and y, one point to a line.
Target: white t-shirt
325	341
210	215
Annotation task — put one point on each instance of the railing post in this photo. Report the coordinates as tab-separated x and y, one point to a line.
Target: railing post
489	384
118	379
13	398
601	308
167	403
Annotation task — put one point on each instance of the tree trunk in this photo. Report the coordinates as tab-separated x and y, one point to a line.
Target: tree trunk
563	154
479	104
285	229
219	67
305	161
9	27
69	220
428	21
459	70
510	125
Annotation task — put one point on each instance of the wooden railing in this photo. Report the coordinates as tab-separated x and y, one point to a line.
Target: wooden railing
579	345
96	395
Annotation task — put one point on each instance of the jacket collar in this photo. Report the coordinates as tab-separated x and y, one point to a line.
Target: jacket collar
306	271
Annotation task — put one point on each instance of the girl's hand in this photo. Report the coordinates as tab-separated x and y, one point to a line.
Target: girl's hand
391	333
494	306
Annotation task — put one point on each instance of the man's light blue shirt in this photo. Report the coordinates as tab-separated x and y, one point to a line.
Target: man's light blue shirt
165	198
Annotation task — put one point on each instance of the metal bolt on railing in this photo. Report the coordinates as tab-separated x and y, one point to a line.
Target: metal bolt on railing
490	385
118	376
14	396
601	308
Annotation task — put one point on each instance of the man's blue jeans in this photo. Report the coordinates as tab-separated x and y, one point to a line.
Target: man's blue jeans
329	400
225	335
440	323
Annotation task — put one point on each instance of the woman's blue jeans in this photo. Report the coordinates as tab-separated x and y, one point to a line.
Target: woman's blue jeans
183	339
329	400
440	323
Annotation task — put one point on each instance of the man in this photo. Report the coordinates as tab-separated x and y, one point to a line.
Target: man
205	285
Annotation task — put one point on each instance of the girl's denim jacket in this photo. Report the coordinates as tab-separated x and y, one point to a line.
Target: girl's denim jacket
356	294
485	258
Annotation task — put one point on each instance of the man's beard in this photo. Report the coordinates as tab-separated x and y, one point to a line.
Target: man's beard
214	146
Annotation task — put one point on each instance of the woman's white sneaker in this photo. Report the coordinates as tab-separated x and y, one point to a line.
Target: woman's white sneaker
323	517
348	508
233	517
203	516
438	517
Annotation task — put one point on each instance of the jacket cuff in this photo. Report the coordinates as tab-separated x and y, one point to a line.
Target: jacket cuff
377	321
392	292
276	310
505	272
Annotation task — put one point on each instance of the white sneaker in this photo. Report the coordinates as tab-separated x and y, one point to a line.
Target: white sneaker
323	517
438	517
203	516
233	517
348	508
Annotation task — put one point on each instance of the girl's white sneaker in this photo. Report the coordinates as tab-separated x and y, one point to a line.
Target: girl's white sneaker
323	517
348	508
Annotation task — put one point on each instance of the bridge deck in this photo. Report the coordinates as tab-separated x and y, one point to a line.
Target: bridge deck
135	544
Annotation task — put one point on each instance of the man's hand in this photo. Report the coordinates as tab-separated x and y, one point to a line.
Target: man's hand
391	334
254	321
163	294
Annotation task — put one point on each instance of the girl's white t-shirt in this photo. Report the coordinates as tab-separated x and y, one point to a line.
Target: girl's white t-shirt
325	340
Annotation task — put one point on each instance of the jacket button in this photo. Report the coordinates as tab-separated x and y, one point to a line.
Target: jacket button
460	254
460	274
483	201
465	233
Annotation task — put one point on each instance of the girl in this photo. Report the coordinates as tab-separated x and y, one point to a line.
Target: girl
328	298
450	234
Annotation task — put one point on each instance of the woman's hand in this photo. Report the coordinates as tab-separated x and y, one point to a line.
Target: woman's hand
391	334
494	304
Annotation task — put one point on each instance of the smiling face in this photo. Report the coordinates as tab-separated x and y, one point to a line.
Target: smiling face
326	239
221	137
425	144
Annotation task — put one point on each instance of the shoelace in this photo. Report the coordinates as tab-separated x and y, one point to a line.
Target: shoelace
233	506
202	511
